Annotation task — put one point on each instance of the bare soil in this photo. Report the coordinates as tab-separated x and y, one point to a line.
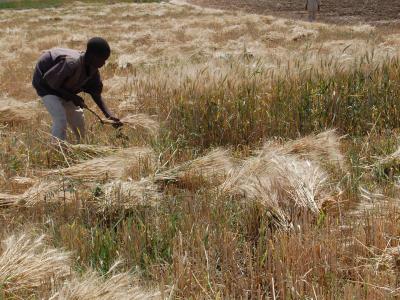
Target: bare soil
378	12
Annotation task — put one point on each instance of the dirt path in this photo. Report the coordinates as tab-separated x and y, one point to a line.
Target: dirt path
377	12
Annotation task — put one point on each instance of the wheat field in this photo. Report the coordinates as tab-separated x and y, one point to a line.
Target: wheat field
259	158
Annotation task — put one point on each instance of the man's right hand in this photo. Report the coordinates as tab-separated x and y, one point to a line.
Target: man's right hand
78	101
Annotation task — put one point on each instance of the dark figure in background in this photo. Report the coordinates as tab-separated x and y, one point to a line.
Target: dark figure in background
312	6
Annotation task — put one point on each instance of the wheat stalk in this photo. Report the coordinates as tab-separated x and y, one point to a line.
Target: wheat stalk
27	265
92	286
111	167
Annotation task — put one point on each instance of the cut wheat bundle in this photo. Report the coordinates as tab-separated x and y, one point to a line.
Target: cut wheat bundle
90	150
41	191
323	147
282	183
8	199
12	110
113	166
142	122
391	158
92	286
27	265
139	121
130	193
212	167
23	181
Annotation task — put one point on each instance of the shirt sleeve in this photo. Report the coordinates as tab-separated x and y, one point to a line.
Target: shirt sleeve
56	76
94	86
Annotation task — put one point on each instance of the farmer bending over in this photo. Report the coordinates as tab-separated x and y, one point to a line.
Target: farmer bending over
61	74
312	6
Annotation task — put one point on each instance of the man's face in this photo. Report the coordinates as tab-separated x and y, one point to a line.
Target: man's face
97	61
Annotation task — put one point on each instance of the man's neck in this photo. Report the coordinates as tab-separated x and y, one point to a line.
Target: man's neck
87	64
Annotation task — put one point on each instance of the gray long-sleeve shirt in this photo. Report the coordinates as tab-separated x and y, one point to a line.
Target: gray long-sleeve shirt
65	68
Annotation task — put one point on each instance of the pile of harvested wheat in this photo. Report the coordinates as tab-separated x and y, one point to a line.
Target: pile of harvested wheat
288	177
31	269
213	166
12	110
282	177
142	122
130	193
41	191
113	166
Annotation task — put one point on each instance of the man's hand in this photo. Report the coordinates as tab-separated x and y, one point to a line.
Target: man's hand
117	122
78	101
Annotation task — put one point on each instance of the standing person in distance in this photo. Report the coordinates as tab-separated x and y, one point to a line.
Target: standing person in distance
60	74
312	6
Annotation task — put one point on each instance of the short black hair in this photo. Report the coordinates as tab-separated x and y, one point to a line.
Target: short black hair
99	47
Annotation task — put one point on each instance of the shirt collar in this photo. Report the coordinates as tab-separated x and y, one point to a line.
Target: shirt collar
82	61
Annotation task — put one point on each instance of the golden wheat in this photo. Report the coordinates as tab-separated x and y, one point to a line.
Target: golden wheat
130	193
283	182
213	167
141	122
27	265
41	191
113	166
323	147
16	111
92	286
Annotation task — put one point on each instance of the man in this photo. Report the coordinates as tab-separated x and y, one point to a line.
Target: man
312	6
61	74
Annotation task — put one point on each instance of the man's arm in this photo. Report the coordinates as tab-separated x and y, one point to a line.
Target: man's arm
98	99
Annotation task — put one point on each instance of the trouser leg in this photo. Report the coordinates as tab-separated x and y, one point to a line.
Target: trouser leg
55	107
76	120
311	15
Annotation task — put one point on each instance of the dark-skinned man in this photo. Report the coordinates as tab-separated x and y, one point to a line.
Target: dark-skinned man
61	74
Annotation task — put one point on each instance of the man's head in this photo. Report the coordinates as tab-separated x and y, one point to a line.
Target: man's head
97	52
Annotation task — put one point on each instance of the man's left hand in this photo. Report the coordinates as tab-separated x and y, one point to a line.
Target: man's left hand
117	122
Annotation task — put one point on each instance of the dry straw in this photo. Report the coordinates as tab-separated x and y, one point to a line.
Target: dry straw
142	122
280	182
23	181
16	111
213	167
92	286
113	166
27	265
90	150
391	158
323	147
284	178
130	193
29	268
43	190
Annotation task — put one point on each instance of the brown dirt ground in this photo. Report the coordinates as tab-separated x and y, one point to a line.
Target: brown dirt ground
377	12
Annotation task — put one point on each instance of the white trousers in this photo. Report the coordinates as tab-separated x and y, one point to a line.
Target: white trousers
62	113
